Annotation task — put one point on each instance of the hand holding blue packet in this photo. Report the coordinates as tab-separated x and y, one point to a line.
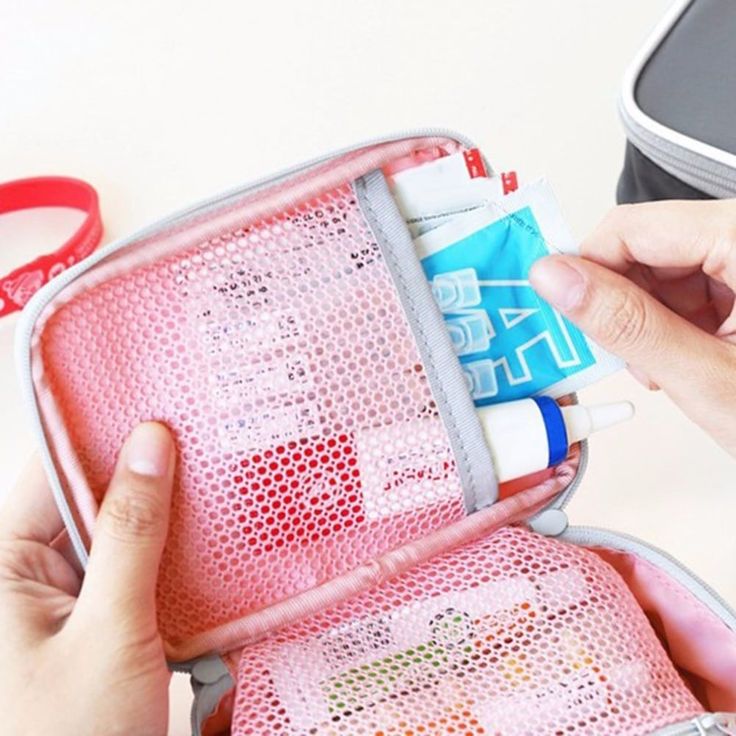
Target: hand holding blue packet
510	342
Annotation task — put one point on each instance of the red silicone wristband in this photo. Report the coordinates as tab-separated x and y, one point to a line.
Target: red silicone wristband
17	287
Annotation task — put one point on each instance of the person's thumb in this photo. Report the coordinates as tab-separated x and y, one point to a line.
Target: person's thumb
692	366
130	533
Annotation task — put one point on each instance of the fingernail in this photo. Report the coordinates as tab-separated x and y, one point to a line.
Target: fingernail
148	450
557	282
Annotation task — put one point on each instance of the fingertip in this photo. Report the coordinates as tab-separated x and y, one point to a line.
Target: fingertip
136	505
149	450
558	280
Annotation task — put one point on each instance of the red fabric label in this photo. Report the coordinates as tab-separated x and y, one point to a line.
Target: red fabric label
474	163
509	181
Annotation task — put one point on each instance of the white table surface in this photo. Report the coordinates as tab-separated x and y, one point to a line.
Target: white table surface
159	104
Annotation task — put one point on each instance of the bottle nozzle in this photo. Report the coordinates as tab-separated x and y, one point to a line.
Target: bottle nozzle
527	435
582	421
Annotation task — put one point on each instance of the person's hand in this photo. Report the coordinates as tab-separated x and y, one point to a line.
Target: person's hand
84	658
656	287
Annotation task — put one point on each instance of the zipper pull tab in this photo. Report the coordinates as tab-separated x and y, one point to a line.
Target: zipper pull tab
211	680
208	670
549	522
715	723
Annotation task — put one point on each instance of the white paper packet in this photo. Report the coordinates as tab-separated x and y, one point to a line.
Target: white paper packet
432	194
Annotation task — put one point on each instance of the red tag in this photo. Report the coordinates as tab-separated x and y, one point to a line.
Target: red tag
509	182
474	163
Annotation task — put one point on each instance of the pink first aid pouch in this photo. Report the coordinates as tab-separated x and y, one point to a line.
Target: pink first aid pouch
337	561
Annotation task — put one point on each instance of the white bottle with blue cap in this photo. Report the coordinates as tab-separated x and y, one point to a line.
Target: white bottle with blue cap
529	435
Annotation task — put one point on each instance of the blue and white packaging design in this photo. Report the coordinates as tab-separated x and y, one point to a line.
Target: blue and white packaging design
510	342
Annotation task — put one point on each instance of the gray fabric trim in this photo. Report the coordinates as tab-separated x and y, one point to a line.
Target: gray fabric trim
446	378
683	85
700	165
712	177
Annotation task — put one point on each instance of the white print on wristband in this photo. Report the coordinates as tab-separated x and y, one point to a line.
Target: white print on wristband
21	288
56	269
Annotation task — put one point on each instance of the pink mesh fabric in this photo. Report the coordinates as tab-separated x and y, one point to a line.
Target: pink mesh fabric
391	564
279	354
698	641
514	635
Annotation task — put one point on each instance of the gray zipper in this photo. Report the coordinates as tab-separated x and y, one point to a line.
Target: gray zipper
38	302
566	496
591	536
709	724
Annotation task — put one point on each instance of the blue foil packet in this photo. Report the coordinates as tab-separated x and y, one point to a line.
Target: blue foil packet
510	343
